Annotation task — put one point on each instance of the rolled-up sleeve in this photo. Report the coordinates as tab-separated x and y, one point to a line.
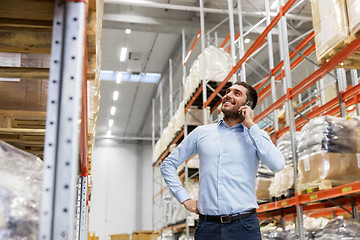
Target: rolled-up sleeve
266	150
184	151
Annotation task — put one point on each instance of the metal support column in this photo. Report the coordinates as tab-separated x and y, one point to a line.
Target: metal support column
290	113
185	123
232	37
355	81
83	210
204	81
241	42
271	66
61	153
171	89
354	207
341	86
161	108
153	171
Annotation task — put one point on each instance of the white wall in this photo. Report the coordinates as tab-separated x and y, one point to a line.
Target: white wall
121	199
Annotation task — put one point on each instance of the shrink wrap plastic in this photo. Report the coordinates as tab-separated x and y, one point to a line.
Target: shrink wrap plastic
340	229
20	193
214	64
353	10
330	25
328	151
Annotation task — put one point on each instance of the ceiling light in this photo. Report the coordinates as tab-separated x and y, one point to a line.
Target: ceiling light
111	123
108	132
118	77
274	5
123	54
116	95
128	31
112	110
246	40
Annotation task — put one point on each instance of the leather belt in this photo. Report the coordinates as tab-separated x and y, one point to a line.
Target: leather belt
227	218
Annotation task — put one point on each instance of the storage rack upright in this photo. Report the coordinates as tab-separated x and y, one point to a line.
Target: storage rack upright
69	31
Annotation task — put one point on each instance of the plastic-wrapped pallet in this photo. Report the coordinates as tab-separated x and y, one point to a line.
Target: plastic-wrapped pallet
340	229
330	156
353	10
264	178
330	25
217	64
284	180
214	64
20	193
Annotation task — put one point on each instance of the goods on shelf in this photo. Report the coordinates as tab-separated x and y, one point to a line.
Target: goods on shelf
283	181
330	26
353	11
20	193
327	152
143	235
176	123
123	236
262	189
214	64
264	177
340	229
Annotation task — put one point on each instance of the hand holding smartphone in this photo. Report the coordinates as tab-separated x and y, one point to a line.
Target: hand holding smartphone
240	112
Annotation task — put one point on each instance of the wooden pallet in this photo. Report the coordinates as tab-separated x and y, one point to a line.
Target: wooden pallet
352	62
319	185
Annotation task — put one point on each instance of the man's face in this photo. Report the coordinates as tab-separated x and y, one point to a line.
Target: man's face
234	98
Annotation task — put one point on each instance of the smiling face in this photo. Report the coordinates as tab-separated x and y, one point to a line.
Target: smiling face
234	98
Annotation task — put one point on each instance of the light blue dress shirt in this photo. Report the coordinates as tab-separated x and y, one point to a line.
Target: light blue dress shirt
229	160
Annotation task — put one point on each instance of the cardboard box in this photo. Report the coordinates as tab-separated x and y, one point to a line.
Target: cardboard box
123	236
144	235
339	168
353	11
330	26
262	188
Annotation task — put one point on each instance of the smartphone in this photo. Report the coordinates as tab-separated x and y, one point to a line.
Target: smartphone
240	112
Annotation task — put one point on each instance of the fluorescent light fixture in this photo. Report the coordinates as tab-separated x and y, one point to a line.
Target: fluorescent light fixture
116	95
113	110
123	54
128	31
246	40
118	77
108	133
111	123
274	5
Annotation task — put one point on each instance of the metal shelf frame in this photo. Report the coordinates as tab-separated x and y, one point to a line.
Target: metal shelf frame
65	138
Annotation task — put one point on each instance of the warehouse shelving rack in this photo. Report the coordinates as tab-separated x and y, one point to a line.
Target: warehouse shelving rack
59	28
340	199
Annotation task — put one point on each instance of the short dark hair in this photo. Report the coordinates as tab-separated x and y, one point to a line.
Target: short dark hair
251	93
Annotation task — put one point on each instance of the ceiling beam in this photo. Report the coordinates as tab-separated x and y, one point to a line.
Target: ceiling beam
151	4
151	24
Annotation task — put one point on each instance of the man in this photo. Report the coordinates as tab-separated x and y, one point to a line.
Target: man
229	152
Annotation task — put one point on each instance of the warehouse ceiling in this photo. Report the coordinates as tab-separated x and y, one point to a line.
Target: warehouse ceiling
156	36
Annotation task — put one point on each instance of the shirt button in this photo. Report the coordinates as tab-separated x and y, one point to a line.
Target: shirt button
220	198
220	182
220	167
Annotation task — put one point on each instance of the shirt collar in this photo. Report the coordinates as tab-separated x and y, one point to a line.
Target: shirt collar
239	125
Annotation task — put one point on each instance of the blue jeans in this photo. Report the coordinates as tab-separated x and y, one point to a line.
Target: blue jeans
241	229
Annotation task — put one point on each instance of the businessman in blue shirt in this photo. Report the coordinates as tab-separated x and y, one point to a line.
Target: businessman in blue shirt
229	152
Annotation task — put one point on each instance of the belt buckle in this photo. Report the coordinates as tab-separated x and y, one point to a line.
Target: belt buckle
225	219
